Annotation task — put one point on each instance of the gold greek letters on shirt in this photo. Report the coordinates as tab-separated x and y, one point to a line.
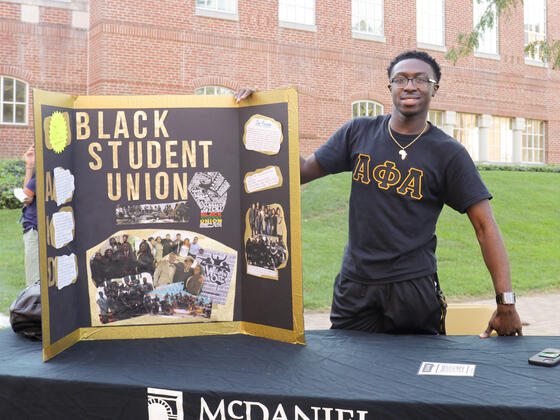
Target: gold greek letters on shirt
361	172
387	176
412	184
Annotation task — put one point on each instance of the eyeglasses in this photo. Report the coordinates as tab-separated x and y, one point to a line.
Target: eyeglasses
419	82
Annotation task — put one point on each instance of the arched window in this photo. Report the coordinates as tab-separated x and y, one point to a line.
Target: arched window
213	90
13	101
366	108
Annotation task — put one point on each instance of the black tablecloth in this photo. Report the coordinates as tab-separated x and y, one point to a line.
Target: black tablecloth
337	375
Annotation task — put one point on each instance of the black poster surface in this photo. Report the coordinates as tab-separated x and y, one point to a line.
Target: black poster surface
166	216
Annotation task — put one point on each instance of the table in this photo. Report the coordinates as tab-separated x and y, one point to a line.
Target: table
338	375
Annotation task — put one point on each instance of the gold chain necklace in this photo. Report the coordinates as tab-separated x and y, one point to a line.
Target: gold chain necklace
402	152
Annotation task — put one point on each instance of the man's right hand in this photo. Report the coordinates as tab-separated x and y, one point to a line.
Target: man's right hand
242	93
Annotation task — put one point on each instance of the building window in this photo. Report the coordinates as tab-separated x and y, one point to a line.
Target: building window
500	140
429	22
213	90
366	109
13	101
532	148
297	11
488	42
228	6
535	25
466	132
436	118
367	17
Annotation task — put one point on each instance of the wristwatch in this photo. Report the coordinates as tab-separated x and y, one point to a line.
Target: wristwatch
506	298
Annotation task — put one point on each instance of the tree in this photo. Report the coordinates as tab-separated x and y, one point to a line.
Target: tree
546	50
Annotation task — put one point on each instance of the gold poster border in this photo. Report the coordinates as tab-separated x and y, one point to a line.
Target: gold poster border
289	96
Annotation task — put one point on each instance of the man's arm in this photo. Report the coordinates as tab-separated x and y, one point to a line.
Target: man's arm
505	319
29	158
309	169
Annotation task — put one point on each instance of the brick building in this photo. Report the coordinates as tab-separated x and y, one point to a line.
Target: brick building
502	105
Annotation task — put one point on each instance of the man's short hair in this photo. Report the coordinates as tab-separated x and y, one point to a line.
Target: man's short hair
418	55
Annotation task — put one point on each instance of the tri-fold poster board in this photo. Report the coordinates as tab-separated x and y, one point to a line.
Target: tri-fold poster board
167	216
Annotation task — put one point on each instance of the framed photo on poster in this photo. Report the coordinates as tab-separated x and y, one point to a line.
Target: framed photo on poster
167	216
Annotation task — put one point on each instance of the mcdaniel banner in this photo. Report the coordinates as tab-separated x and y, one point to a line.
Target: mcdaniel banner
166	216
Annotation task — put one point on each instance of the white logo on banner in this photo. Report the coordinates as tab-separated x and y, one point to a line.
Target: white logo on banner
165	404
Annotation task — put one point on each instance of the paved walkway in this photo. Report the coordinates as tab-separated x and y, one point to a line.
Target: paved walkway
540	314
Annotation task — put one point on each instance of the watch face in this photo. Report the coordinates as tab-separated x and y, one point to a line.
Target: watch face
507	298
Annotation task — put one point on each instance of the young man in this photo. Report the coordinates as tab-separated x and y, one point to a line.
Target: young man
404	171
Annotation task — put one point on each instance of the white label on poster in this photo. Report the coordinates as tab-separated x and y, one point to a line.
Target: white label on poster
63	185
446	369
262	180
63	224
262	272
66	270
263	135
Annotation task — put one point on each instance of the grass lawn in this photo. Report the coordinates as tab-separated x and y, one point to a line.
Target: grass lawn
12	272
525	205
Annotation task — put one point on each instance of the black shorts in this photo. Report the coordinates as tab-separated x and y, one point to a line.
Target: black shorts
407	307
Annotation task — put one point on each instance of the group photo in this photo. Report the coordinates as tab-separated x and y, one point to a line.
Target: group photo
152	213
158	275
265	245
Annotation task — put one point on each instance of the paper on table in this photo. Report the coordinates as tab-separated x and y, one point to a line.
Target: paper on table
66	270
446	369
63	185
63	226
262	179
263	134
19	194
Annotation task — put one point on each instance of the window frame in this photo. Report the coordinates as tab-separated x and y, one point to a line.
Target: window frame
472	144
481	8
14	102
500	142
215	12
366	35
367	102
295	24
439	114
526	149
230	91
534	60
425	44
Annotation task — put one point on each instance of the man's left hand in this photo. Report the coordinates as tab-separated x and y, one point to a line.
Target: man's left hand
505	321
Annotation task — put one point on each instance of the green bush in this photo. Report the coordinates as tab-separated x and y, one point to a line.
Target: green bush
519	168
12	175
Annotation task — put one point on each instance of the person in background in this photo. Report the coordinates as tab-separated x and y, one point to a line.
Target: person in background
29	220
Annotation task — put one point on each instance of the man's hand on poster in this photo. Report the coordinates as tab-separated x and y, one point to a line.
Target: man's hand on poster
243	93
505	321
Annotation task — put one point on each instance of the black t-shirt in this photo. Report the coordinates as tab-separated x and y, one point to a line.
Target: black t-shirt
394	202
